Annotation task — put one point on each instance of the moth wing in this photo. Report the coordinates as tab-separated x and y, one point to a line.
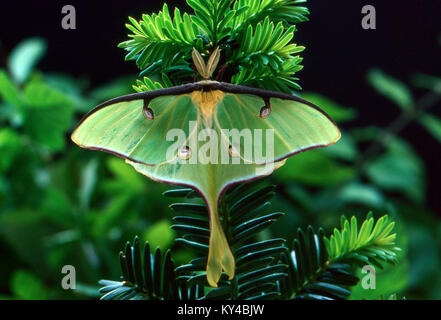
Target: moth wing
279	128
121	127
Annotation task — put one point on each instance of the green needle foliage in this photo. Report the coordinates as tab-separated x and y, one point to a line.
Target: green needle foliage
147	276
322	268
374	243
267	269
255	36
311	275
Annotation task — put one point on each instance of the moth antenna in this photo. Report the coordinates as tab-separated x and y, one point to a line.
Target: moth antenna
213	61
200	65
206	70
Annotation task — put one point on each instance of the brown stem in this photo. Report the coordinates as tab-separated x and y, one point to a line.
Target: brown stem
221	72
395	128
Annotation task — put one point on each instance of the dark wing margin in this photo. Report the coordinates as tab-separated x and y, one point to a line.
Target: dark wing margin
147	95
264	94
205	86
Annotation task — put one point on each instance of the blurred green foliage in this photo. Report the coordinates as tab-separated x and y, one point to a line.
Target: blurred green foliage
60	205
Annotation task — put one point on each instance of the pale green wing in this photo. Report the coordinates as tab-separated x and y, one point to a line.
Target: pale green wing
122	128
296	126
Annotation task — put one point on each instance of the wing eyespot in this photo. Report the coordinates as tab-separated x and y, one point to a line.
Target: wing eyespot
265	111
184	153
148	112
233	152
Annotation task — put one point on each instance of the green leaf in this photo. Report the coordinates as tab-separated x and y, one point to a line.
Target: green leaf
335	110
360	193
10	145
346	148
427	82
74	89
48	115
27	286
118	87
315	168
432	124
88	182
8	91
25	57
127	180
20	229
391	88
400	169
423	255
159	235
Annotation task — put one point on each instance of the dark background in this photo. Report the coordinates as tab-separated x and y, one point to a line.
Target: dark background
338	56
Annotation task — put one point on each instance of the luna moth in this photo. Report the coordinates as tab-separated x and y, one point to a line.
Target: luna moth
136	127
